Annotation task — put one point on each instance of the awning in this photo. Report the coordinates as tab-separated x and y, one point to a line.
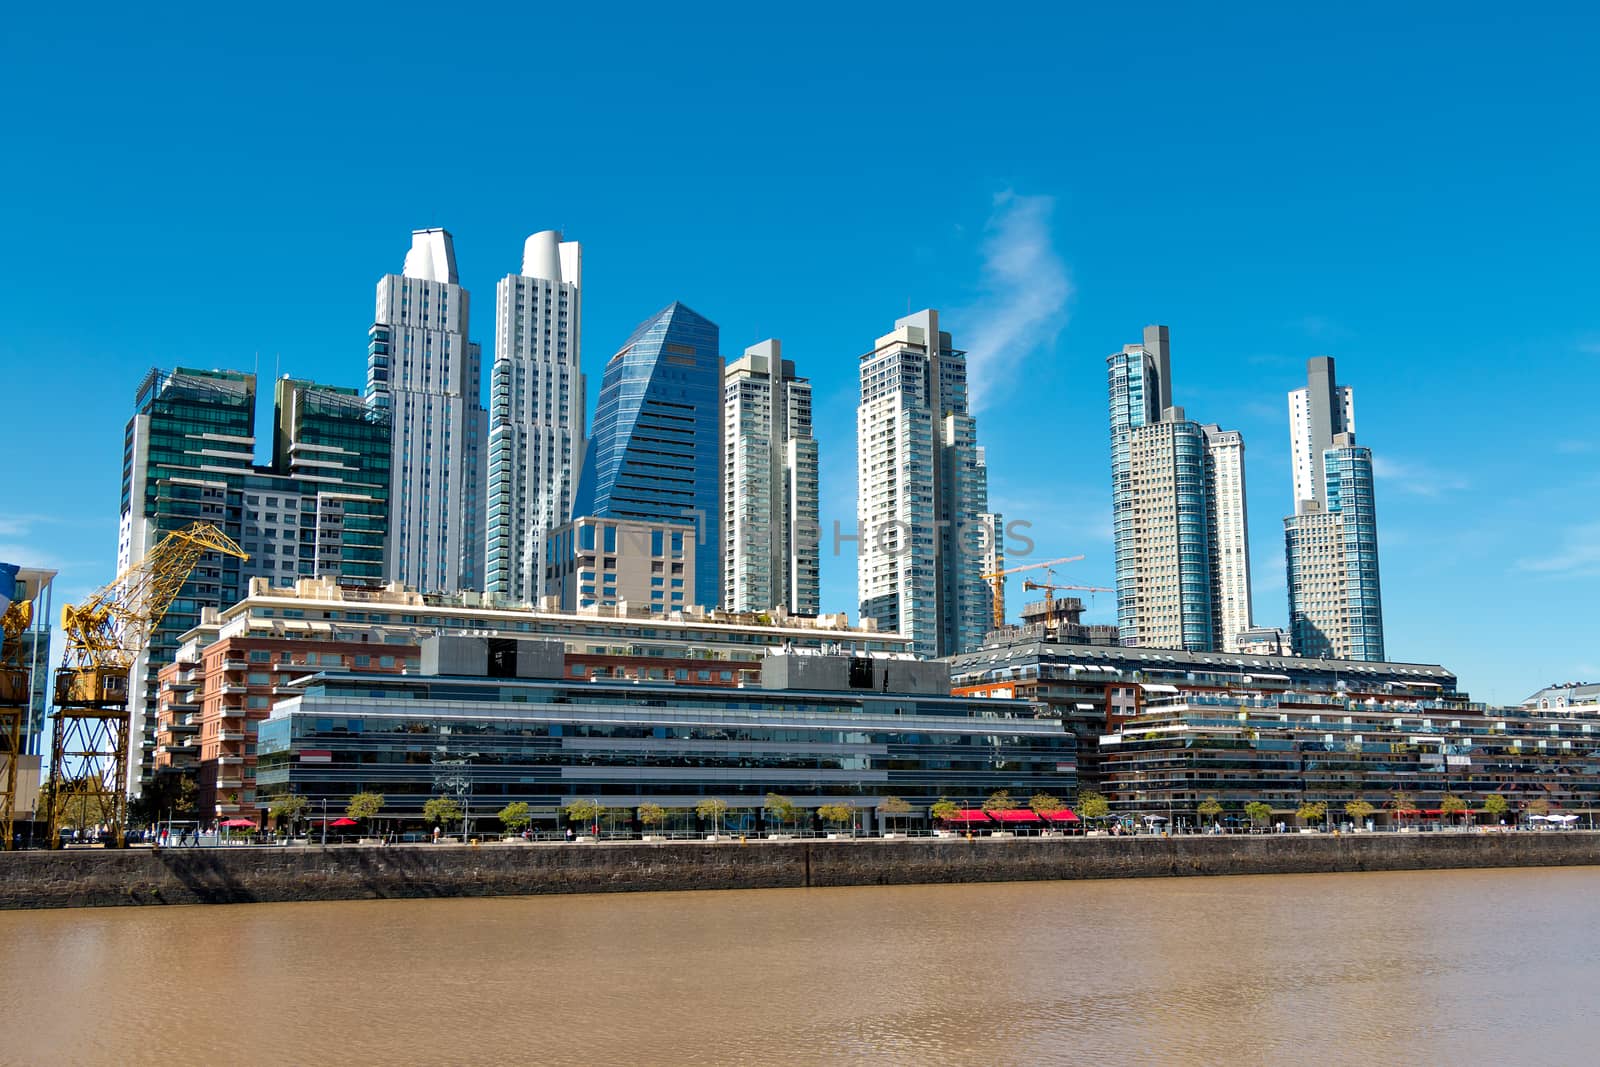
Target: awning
1016	815
1064	815
968	815
1153	687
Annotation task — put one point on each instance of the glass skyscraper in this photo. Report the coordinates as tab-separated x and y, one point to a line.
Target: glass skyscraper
655	447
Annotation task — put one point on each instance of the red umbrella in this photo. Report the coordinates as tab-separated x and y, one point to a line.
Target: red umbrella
237	824
342	822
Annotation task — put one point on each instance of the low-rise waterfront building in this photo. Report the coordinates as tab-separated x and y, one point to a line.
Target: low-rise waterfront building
1094	688
1400	754
238	662
493	721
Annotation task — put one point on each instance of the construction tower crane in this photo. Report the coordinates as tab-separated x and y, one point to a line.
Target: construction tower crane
89	750
997	585
1050	592
16	697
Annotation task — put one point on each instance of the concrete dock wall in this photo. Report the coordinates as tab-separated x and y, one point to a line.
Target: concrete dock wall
95	878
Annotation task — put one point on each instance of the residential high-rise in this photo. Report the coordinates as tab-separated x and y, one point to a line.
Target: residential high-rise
1331	551
655	450
1230	535
1331	540
189	454
921	492
770	528
1178	511
1317	413
536	412
424	371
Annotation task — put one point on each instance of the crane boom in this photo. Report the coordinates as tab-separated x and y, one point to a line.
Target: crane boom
104	636
997	587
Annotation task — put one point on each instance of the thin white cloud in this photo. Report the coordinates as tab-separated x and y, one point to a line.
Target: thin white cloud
1416	478
1025	292
1577	557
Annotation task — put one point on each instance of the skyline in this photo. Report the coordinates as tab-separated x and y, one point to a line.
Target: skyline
1261	243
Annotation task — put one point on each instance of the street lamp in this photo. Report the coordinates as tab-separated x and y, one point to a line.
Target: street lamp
324	822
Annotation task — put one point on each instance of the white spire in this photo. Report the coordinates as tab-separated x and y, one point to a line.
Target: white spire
541	256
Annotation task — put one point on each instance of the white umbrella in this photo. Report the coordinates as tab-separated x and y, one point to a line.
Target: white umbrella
1563	818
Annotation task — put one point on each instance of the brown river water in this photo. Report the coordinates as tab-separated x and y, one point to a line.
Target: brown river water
1457	967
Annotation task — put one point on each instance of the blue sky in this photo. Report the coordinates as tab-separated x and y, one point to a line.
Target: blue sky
1409	191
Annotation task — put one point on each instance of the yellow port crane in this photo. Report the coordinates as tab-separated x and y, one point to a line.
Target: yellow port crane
997	585
16	697
89	749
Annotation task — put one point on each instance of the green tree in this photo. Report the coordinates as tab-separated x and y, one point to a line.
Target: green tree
288	809
1311	811
651	815
1209	808
713	808
1092	805
838	814
441	810
1359	810
169	794
1040	803
1257	812
1450	805
781	808
1541	806
1401	801
586	813
944	809
515	816
1000	800
1495	804
364	806
894	807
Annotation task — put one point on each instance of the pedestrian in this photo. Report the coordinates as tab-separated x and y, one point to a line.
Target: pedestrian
570	835
436	835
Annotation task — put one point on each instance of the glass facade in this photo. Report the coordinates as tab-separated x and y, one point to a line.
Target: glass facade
1335	597
655	449
1134	393
548	743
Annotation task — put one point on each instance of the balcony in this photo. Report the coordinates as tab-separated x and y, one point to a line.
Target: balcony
231	735
229	780
231	664
230	689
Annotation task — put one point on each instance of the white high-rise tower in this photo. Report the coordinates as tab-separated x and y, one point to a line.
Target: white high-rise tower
536	412
769	493
921	493
1317	413
424	370
1230	536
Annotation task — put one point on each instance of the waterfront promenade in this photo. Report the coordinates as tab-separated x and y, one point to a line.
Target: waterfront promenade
95	878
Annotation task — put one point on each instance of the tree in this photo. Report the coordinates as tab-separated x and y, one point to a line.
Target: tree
838	814
1000	800
441	810
1359	810
1312	811
893	806
1402	802
1540	806
169	794
651	815
78	805
1257	812
944	809
586	813
1495	804
1042	803
364	806
712	808
515	816
781	808
1092	805
288	809
1450	804
1209	808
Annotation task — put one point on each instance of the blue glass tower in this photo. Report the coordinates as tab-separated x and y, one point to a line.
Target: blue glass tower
1335	601
655	450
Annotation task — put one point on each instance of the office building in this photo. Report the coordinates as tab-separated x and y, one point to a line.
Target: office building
189	455
656	449
770	525
238	661
626	563
536	413
817	729
1230	535
424	371
921	492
